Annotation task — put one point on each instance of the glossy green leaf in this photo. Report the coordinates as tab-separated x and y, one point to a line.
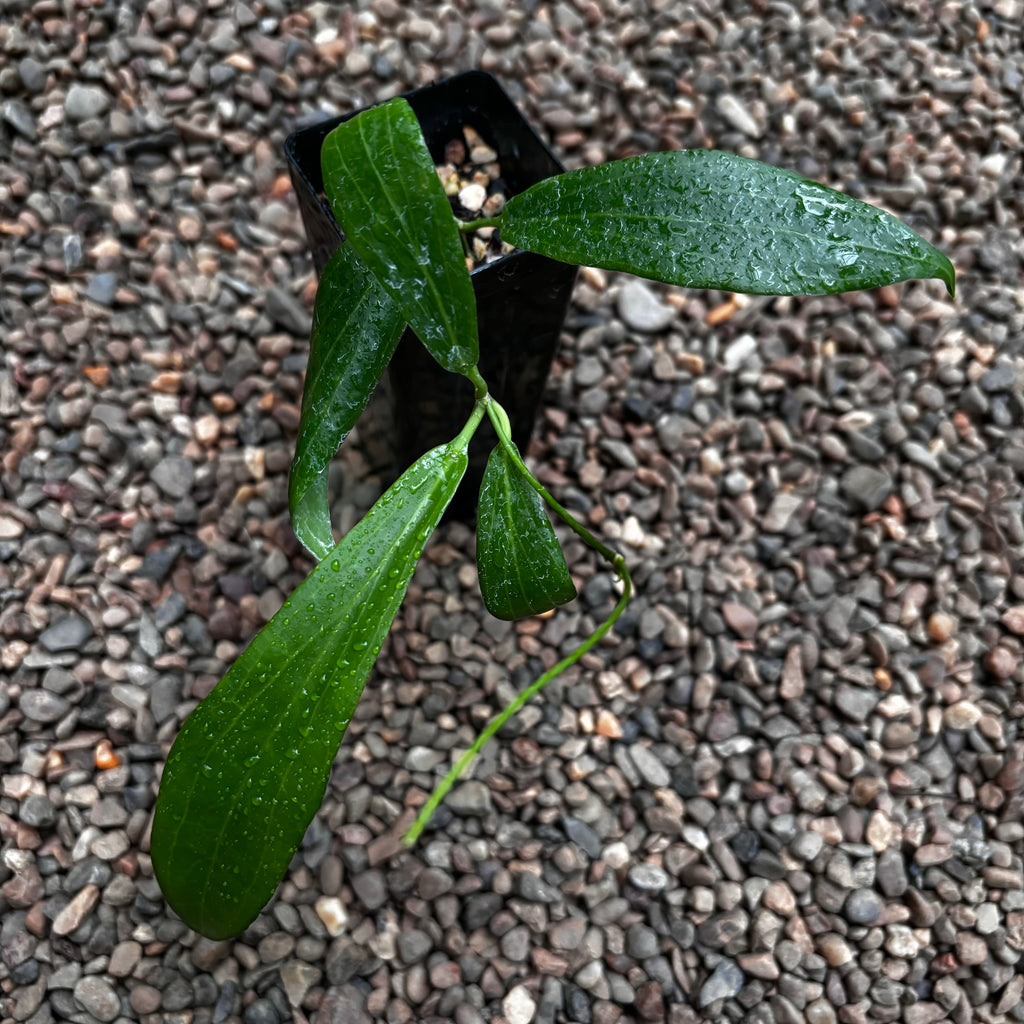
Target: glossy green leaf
356	327
519	561
251	763
311	517
708	219
384	190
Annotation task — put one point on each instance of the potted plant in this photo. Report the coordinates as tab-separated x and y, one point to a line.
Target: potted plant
521	297
250	766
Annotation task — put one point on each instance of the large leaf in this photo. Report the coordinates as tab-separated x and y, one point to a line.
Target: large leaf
251	763
355	329
708	219
519	561
384	190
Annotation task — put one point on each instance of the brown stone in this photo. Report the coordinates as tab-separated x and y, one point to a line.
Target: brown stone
971	949
740	619
791	686
649	1002
1013	619
76	911
145	999
760	965
779	898
1001	662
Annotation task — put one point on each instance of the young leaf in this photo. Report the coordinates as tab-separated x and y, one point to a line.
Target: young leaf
355	329
708	219
383	188
251	763
519	561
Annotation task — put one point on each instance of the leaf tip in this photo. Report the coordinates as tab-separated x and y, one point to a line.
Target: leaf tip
948	278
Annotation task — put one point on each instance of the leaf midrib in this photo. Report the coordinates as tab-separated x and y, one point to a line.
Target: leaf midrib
708	224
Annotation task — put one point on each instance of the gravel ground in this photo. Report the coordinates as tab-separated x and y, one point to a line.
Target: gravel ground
789	789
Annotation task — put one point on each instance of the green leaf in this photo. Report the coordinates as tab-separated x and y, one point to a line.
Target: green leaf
356	327
311	517
385	193
519	561
708	219
251	763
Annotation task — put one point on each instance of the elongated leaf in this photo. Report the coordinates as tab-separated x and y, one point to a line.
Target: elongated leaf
384	191
519	561
251	763
708	219
355	329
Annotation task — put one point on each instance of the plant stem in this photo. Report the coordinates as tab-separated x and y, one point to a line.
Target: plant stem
478	382
465	226
497	414
499	418
442	788
472	423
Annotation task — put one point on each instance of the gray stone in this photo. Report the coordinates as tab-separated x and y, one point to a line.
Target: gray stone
532	887
102	288
174	475
59	680
42	706
641	309
164	696
32	73
414	945
735	113
422	759
862	907
371	888
297	978
85	101
867	449
739	352
96	995
1002	377
19	117
892	873
287	311
515	944
673	431
171	609
725	982
18	949
653	772
807	845
344	1004
177	996
471	799
567	934
589	371
856	702
261	1011
68	634
38	811
648	877
865	487
641	941
225	1002
781	510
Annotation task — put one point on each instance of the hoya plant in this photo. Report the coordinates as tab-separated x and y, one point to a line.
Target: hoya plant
249	768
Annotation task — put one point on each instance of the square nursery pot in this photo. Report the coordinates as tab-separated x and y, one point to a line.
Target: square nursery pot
521	298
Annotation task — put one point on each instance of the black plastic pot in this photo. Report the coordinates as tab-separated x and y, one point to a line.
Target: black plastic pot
521	298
